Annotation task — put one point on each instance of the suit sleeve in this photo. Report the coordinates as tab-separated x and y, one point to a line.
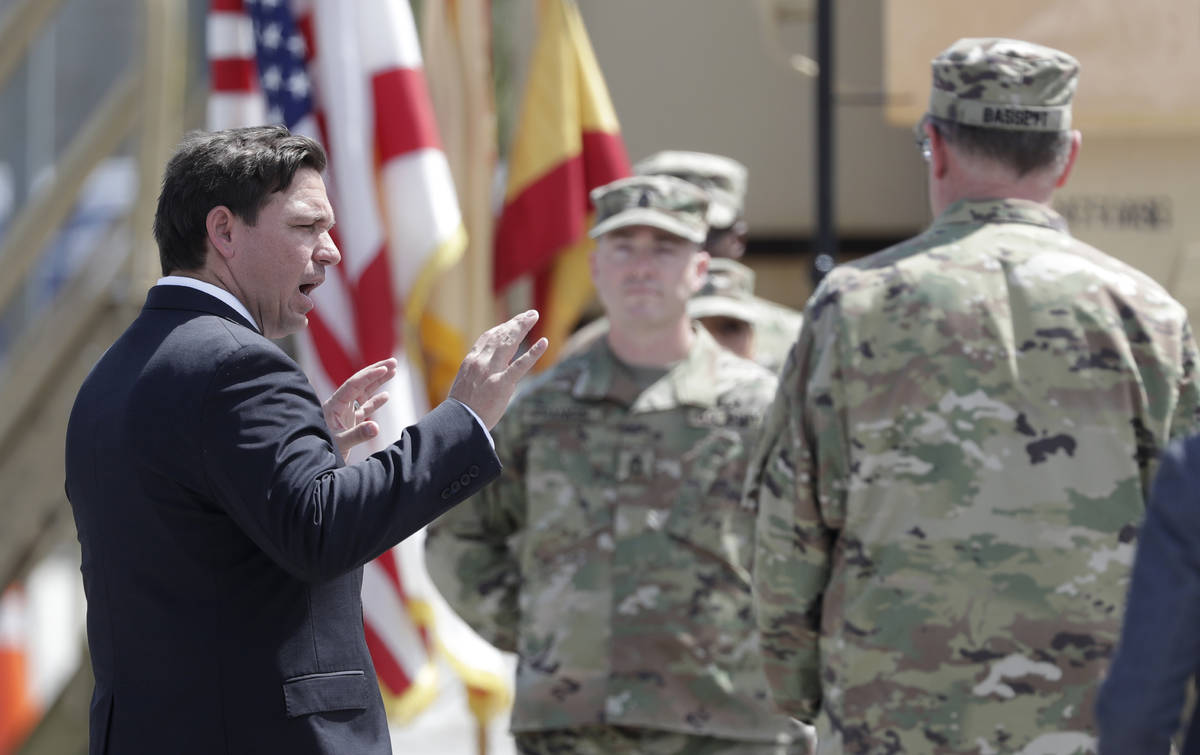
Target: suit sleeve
470	551
796	481
270	462
1141	699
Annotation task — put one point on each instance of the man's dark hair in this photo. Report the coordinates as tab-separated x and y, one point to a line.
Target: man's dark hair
239	168
1023	151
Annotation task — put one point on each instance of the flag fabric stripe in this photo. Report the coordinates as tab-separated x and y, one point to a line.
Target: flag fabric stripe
604	158
229	35
335	362
373	315
400	129
528	236
418	183
231	108
234	73
391	674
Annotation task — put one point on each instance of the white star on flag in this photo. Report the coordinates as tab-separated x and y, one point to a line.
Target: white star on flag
296	46
272	79
272	36
298	84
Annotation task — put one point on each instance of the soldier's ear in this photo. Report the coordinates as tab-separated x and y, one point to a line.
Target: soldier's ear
939	160
701	262
1076	142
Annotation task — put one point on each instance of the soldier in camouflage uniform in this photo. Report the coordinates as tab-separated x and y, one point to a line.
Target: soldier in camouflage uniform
613	556
951	477
727	307
724	179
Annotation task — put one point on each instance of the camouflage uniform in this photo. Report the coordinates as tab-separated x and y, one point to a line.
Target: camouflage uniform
613	555
950	481
729	292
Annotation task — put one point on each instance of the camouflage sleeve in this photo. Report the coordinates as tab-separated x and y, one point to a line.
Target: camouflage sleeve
1185	420
794	538
469	553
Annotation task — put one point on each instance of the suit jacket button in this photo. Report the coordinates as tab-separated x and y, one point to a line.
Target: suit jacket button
455	486
445	493
465	479
473	470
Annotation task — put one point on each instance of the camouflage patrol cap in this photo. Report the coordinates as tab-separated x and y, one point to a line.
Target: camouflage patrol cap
722	177
664	202
1004	84
728	291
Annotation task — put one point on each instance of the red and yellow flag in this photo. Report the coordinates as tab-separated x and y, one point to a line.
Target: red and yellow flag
567	142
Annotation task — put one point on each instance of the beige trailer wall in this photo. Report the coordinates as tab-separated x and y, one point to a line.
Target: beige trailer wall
1135	191
712	75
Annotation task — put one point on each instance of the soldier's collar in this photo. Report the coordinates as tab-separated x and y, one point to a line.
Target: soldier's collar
977	211
690	382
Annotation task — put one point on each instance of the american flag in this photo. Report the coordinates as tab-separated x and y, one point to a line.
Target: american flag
274	61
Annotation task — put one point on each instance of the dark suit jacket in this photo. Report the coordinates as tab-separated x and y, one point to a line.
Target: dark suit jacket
1140	702
223	539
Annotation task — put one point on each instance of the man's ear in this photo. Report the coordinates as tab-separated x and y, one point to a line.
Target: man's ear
219	224
939	158
702	258
1076	141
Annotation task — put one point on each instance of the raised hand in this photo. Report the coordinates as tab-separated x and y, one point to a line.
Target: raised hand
489	374
348	409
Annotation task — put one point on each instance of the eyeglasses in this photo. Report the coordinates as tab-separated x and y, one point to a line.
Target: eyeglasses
924	148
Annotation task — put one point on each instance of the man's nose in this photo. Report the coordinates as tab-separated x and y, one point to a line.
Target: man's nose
643	264
327	252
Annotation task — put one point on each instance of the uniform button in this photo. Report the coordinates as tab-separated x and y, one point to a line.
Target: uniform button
473	470
445	493
465	479
455	487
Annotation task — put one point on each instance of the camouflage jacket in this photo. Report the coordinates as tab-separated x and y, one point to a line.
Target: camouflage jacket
614	555
950	481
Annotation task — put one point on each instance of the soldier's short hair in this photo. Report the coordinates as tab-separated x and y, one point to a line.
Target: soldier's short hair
1023	151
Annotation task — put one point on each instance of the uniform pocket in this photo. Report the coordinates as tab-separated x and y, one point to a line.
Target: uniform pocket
569	494
317	693
709	515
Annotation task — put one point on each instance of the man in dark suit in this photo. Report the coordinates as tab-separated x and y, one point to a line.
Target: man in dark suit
1141	706
223	535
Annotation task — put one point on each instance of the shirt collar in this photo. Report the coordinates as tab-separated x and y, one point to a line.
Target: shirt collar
977	211
211	290
689	382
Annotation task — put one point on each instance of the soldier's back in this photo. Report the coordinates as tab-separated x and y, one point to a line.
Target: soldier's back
1005	388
